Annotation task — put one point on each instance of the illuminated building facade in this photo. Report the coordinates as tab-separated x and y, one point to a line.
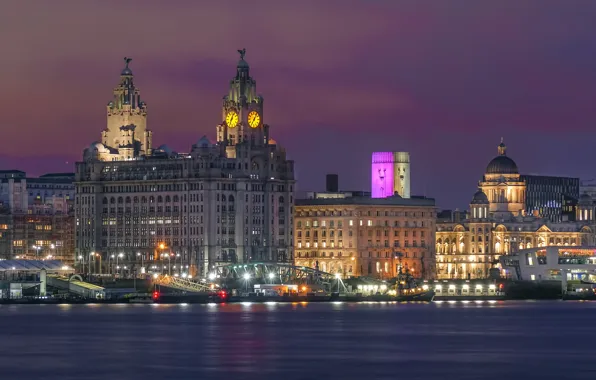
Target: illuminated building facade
552	263
554	198
37	216
362	236
497	224
225	202
390	174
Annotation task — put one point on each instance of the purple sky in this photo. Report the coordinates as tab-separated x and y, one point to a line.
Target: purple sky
443	80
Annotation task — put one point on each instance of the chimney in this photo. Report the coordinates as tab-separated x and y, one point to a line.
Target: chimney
332	183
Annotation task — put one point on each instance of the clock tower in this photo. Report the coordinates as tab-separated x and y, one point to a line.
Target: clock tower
242	112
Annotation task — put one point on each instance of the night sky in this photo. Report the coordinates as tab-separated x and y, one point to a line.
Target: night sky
444	80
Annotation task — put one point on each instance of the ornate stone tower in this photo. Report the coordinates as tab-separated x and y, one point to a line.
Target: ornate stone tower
242	112
127	119
503	186
479	207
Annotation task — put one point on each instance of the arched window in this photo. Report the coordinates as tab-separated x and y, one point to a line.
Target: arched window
231	198
175	198
105	200
152	199
127	200
223	198
120	200
112	200
160	199
135	200
281	200
143	200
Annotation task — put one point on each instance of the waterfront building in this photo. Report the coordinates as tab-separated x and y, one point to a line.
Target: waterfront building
357	235
223	202
498	224
390	174
588	187
552	263
37	216
554	198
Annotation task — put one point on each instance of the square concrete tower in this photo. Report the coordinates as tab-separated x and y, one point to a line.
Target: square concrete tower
390	174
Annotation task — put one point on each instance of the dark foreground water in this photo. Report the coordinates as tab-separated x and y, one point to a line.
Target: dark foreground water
503	340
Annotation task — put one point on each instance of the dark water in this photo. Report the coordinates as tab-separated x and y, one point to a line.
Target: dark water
508	340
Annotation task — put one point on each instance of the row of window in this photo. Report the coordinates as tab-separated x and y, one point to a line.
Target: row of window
406	214
179	187
370	243
369	223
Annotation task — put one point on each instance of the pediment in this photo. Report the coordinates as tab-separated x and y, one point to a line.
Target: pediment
544	228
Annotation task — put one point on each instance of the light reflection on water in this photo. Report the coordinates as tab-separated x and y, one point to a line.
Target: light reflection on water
474	340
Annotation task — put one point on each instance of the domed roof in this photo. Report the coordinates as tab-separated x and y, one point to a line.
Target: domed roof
242	64
204	142
165	148
97	146
480	198
502	164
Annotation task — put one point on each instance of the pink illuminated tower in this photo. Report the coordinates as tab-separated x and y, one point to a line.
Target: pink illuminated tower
390	174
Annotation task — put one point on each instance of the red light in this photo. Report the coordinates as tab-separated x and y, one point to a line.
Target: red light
155	295
501	286
222	294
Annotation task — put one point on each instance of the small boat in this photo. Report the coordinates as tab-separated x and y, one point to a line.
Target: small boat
407	289
420	296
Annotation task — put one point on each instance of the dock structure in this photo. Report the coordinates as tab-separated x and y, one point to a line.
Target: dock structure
19	275
75	285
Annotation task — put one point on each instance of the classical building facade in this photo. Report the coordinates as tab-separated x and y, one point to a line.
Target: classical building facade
364	236
225	202
37	216
498	224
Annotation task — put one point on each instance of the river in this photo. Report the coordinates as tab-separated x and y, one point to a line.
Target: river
448	340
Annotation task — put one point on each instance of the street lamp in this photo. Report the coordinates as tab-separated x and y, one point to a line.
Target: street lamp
120	255
246	278
338	277
161	247
89	263
212	276
271	276
81	263
142	257
36	248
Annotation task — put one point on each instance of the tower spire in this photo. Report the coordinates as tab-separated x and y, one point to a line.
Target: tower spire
126	70
502	148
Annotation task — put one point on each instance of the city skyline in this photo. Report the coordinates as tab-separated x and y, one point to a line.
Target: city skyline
446	101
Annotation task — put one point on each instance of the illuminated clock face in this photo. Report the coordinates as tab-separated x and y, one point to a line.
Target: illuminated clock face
232	119
254	119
